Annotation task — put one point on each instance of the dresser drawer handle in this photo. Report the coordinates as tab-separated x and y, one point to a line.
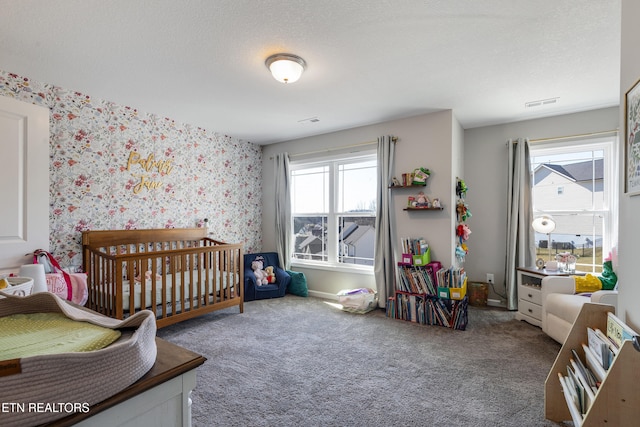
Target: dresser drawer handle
530	296
530	311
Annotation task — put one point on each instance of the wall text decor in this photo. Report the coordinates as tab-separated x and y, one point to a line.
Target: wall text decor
150	164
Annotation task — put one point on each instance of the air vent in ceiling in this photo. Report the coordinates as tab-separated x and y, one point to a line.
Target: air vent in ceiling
541	103
309	120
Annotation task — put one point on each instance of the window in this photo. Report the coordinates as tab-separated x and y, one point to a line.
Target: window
575	183
334	211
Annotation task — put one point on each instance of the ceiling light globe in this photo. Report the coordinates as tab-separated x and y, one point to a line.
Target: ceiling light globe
285	68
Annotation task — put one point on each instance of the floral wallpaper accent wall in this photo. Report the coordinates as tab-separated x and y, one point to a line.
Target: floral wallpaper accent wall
113	167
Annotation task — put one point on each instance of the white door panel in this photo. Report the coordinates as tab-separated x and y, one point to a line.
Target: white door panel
24	181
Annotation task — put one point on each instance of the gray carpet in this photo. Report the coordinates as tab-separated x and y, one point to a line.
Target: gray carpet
297	361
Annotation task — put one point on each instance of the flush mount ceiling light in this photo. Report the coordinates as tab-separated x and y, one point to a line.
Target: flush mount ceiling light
285	67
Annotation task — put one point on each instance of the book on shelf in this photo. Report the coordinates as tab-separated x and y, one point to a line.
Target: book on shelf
571	398
412	306
452	277
391	307
600	346
415	280
584	373
580	385
576	390
618	331
418	246
594	363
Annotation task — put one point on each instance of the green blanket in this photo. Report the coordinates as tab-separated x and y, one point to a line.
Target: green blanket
25	335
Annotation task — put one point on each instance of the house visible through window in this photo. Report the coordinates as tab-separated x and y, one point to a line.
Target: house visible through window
574	183
334	211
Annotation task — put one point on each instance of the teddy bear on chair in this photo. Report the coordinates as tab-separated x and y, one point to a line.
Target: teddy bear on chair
261	276
271	275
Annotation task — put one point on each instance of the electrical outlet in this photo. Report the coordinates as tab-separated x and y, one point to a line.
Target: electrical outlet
490	278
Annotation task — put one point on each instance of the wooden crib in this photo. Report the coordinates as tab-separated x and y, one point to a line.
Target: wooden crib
178	273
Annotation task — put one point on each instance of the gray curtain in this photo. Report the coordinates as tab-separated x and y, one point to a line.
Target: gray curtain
384	262
283	210
520	236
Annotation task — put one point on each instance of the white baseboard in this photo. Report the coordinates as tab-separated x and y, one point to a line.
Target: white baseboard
496	303
323	295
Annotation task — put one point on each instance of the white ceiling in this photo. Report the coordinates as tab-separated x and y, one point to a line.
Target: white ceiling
201	62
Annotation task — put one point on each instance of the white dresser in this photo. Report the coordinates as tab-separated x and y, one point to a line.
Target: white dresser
160	398
530	293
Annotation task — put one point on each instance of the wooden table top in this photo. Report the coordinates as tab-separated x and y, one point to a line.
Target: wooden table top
546	272
171	361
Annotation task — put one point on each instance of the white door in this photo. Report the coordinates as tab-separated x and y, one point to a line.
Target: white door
24	182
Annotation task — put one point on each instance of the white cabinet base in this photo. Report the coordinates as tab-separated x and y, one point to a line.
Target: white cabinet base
165	405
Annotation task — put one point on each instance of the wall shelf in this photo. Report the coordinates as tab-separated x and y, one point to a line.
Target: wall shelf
423	209
408	186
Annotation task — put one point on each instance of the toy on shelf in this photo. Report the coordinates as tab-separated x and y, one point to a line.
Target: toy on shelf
421	201
420	176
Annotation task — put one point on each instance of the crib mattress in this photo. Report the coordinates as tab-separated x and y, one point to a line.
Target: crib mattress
205	288
72	380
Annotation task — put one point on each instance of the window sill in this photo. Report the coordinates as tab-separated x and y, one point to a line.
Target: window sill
367	270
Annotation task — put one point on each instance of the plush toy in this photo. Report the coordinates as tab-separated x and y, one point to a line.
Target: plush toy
461	188
608	278
587	283
422	201
271	275
261	275
463	231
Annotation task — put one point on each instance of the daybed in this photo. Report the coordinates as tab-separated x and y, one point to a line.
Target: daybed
178	273
561	304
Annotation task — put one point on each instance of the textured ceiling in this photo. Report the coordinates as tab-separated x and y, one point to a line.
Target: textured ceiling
202	61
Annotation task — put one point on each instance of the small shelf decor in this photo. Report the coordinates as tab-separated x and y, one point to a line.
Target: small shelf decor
439	208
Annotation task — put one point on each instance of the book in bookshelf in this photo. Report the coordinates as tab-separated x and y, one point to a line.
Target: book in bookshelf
601	347
618	331
594	363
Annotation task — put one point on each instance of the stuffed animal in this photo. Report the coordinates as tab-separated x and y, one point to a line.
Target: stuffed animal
422	201
271	275
261	275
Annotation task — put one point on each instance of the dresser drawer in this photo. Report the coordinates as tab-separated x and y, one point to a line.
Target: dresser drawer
530	309
529	293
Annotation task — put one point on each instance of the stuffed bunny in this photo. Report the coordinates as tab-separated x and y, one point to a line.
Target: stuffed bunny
261	275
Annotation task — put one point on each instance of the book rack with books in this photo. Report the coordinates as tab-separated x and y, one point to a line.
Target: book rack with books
594	380
430	295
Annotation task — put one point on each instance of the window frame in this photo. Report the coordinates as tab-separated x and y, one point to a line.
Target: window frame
333	216
608	144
